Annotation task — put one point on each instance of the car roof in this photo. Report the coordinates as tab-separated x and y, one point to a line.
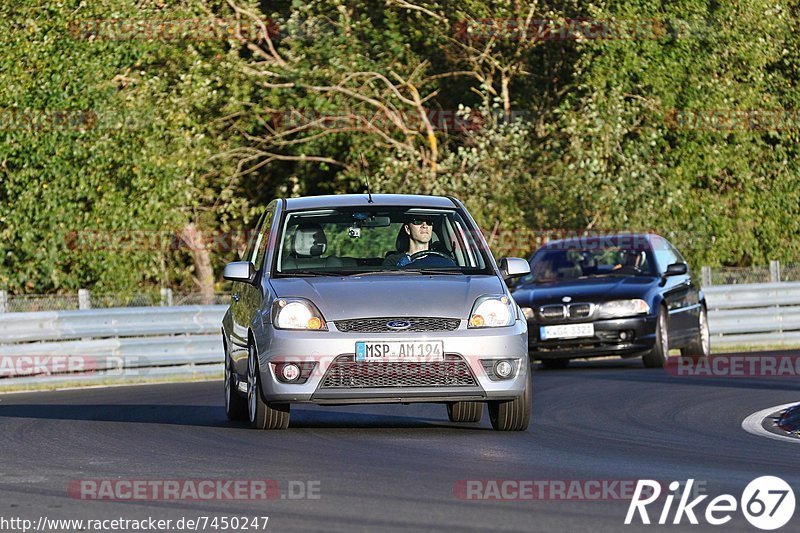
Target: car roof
362	200
621	239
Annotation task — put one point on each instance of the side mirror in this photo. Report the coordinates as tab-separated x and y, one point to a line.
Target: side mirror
676	269
514	267
243	271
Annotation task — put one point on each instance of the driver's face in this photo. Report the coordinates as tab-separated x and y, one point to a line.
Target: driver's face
421	232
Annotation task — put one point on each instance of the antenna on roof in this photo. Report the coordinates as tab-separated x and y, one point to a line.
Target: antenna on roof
369	193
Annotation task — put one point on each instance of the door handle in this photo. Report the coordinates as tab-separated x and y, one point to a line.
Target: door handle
235	297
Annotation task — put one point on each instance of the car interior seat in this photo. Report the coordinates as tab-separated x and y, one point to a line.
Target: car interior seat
308	244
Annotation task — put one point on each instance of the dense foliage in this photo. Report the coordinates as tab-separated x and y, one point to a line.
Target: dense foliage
134	145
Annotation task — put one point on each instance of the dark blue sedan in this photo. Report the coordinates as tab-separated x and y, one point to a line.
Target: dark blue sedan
630	295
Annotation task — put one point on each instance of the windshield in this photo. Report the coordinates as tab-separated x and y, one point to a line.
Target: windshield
382	239
550	265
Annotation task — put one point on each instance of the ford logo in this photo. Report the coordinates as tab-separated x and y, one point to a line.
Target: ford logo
398	325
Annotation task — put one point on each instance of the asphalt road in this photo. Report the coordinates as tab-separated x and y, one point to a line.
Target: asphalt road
396	467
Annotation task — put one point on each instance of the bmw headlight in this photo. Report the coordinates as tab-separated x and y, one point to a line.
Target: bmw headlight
297	313
622	308
492	312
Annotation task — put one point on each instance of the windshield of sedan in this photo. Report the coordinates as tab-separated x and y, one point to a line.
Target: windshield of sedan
381	239
549	265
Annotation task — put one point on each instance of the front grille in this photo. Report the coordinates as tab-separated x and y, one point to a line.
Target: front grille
550	312
580	310
380	325
345	372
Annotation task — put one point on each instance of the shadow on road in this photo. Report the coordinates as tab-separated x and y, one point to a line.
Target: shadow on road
632	370
214	416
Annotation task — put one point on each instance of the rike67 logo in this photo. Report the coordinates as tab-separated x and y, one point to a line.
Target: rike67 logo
767	503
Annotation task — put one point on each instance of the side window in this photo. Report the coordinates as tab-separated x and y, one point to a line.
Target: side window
251	241
262	238
665	255
678	257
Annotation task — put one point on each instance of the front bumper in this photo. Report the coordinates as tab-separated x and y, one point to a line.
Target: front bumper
322	349
606	340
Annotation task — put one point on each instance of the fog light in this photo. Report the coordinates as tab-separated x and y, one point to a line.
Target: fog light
503	369
623	335
290	372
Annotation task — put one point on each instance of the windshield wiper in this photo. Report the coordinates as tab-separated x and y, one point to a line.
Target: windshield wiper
404	271
432	271
307	273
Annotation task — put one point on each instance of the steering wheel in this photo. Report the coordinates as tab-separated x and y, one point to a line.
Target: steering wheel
629	269
425	253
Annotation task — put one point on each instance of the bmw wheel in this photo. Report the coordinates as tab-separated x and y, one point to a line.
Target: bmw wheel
658	355
701	345
555	364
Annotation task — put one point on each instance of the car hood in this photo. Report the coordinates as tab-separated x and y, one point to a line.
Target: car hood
598	289
372	296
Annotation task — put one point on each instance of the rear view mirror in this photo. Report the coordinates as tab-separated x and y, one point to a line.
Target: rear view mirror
514	267
676	269
242	271
376	222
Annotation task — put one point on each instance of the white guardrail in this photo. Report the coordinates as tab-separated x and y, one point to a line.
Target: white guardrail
119	344
160	342
759	314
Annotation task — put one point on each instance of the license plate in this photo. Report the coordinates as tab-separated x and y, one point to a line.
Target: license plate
566	331
423	351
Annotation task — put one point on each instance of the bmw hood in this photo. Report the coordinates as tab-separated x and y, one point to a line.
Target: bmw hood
599	289
445	296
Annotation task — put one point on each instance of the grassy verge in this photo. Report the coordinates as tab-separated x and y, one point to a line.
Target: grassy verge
73	383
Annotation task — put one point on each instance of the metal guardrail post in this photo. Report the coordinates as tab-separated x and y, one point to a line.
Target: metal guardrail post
775	271
166	297
83	299
706	276
3	301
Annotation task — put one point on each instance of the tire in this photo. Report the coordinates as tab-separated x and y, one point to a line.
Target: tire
555	364
700	347
235	404
658	355
512	415
262	415
465	411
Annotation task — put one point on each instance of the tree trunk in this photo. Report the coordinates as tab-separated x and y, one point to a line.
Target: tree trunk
204	273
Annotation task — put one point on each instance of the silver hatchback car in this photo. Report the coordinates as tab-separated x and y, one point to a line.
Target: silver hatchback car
356	299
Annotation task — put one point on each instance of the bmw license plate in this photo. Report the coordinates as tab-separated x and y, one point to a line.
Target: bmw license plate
422	351
566	331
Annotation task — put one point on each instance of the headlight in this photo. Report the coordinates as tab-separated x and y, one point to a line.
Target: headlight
622	308
492	312
296	313
529	313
